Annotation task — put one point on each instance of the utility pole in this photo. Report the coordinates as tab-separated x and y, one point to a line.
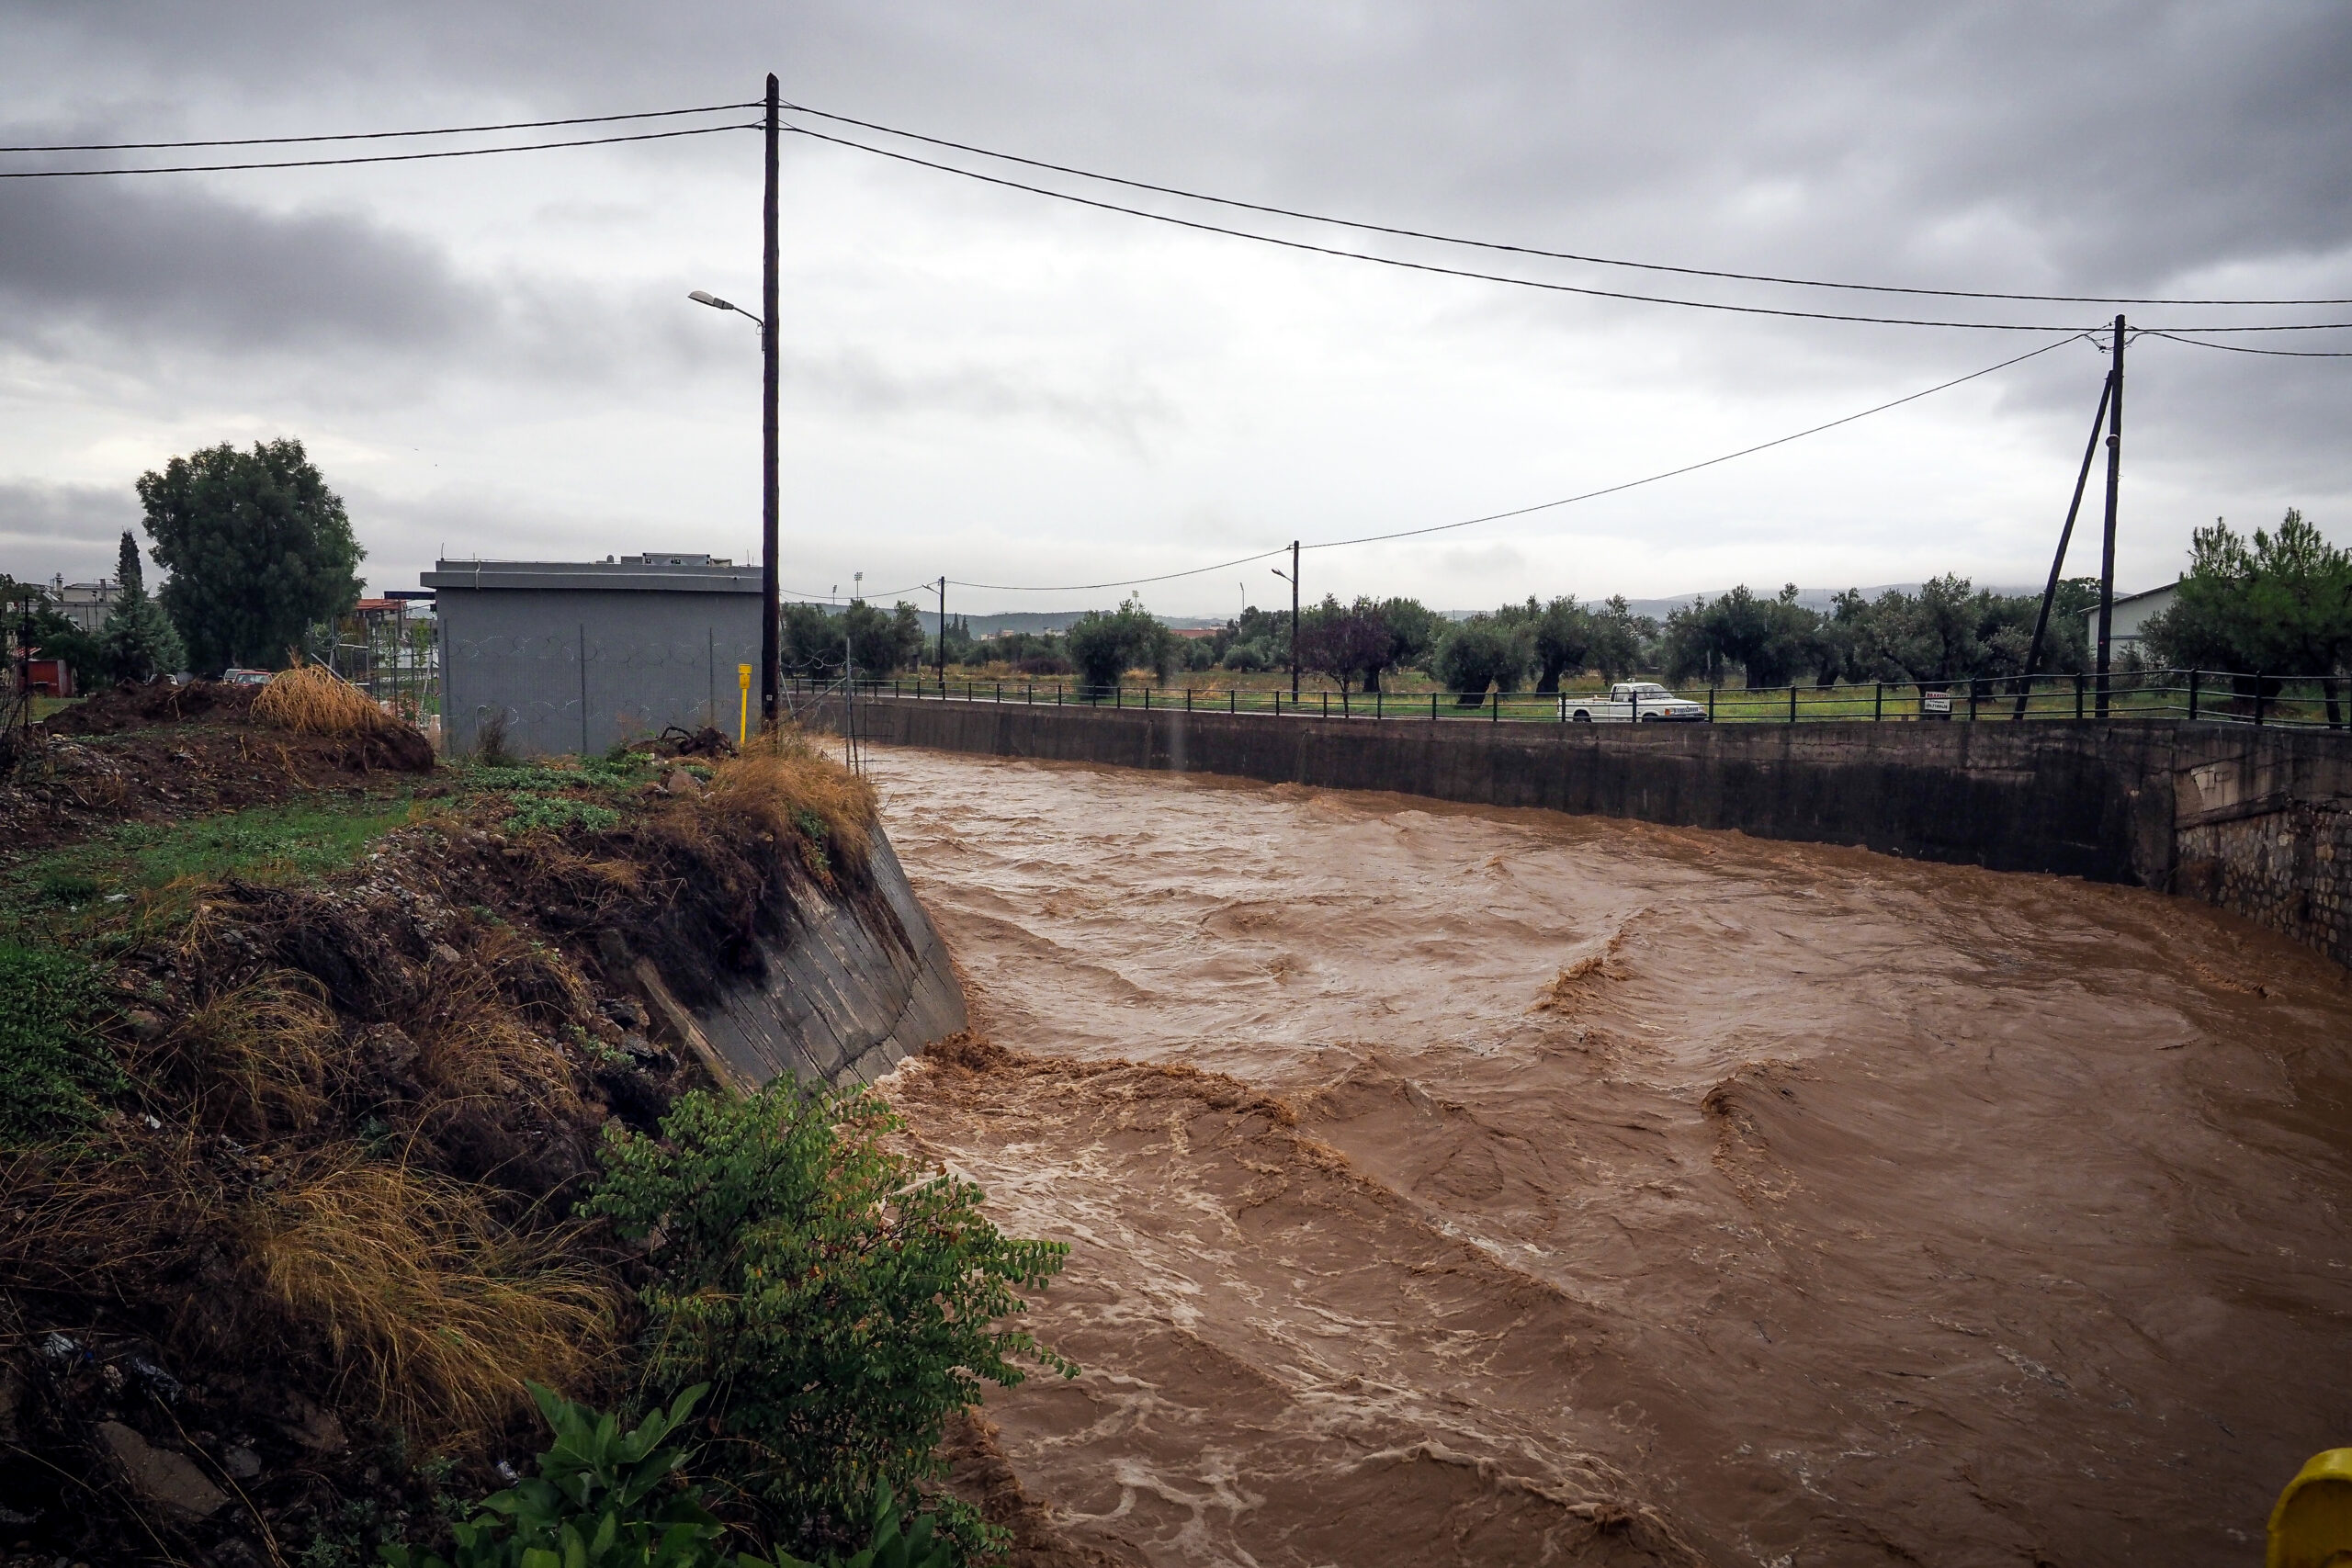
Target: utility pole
771	611
1294	623
2114	485
943	637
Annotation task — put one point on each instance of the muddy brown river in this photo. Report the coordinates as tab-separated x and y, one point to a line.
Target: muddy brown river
1455	1185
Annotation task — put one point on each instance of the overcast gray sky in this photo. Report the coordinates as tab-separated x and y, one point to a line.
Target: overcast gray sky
496	356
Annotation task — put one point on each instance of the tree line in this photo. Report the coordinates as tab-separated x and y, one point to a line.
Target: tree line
2277	605
260	550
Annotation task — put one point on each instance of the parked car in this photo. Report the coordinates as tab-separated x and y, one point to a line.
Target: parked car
1630	701
236	677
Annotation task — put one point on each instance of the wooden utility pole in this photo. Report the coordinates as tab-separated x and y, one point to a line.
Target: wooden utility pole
1294	623
771	609
2065	537
2114	485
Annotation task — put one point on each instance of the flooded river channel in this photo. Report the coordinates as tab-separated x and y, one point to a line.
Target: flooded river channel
1455	1185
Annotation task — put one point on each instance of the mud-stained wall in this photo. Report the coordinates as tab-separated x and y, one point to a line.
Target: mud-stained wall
854	988
2248	819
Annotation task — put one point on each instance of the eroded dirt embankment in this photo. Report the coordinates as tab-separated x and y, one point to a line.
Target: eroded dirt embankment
1537	1189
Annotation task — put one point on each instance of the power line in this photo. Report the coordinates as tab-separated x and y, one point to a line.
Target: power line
1531	249
370	158
2241	348
1708	463
370	135
1546	505
1433	268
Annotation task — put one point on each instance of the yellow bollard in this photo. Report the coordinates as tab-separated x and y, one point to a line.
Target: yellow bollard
743	720
2312	1525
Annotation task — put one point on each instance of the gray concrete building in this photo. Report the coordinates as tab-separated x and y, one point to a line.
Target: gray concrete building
578	656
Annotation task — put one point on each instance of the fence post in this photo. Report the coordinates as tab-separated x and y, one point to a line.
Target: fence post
1432	707
1118	694
1327	704
1498	717
2192	696
1232	699
1878	701
1379	704
2257	696
2078	695
1711	706
1057	693
1792	702
1972	699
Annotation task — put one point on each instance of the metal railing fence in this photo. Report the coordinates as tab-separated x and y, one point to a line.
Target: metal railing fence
2205	695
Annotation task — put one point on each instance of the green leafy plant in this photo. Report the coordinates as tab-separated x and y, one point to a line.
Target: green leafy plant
535	813
843	1301
53	1067
892	1542
603	1498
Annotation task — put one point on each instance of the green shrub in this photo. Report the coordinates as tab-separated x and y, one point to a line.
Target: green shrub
891	1541
555	812
843	1301
53	1067
603	1498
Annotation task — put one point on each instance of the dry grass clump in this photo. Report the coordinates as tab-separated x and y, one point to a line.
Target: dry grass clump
431	1314
257	1057
779	790
311	699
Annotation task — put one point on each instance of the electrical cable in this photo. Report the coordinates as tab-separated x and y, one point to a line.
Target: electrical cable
2241	348
1708	463
1532	250
372	135
1545	505
371	158
1433	268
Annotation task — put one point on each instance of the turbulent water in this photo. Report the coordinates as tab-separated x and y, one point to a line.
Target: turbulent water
1455	1185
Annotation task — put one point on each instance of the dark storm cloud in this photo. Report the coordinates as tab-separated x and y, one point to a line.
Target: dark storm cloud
149	259
58	524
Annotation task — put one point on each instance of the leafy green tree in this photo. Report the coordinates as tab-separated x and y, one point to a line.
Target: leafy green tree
1563	641
1105	646
1621	639
259	549
842	1302
2274	605
1413	632
1772	640
816	642
1346	642
137	642
1484	651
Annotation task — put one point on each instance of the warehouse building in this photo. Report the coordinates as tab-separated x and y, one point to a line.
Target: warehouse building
580	656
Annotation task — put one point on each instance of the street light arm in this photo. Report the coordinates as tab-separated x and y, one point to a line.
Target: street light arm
716	303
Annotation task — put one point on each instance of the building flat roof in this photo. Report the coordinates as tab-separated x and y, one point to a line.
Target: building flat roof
636	574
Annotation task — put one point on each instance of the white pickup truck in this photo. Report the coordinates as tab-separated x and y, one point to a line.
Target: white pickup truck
1632	701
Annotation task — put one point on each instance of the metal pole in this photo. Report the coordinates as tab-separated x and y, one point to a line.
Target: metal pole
2114	487
771	610
1293	622
943	639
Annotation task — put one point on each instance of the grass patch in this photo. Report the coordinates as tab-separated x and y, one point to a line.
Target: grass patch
143	863
554	813
53	1066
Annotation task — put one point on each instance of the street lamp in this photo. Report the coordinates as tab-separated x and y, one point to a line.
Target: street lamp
1291	577
716	303
771	609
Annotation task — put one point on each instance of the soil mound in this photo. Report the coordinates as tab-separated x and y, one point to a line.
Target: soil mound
155	702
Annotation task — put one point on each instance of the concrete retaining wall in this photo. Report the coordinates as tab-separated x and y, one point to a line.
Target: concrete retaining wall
850	993
2233	814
